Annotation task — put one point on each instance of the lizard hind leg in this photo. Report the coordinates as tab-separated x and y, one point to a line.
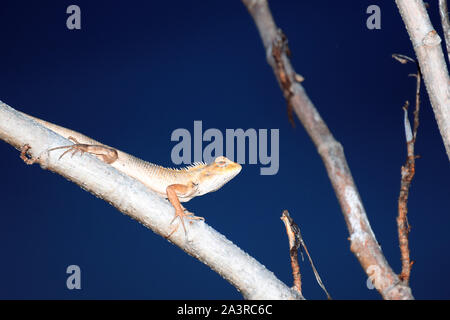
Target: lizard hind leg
104	153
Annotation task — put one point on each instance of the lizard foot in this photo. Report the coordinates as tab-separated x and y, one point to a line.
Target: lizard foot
181	214
24	157
74	148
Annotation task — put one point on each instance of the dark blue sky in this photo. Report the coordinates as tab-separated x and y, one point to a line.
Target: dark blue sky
138	70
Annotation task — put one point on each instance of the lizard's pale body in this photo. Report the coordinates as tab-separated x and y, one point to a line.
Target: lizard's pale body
178	185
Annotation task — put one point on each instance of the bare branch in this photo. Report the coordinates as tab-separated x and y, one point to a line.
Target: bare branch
363	242
443	11
426	43
131	197
407	174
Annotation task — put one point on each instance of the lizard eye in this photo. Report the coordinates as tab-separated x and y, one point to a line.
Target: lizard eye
221	163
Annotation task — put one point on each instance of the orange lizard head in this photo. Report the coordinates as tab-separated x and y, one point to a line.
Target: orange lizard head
216	174
224	165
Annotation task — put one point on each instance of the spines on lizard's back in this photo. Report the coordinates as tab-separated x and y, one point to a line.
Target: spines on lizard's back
173	175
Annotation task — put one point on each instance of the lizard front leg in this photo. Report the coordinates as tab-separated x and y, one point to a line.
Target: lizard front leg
172	192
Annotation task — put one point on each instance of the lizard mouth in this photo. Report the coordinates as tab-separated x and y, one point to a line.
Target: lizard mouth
235	168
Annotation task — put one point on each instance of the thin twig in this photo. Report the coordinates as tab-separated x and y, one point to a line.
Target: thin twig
363	242
293	233
295	242
402	58
407	174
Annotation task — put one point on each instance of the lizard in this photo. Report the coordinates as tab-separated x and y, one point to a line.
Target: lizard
176	185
